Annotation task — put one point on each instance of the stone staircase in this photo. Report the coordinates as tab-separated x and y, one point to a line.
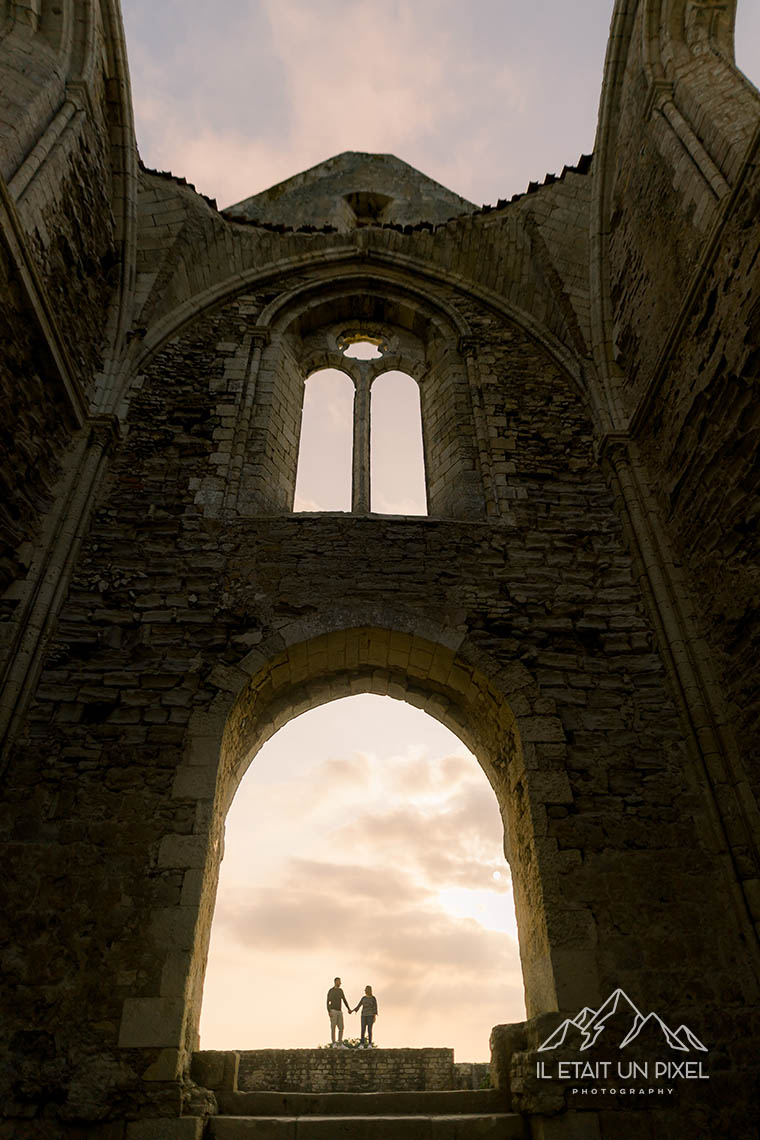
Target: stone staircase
426	1115
344	1112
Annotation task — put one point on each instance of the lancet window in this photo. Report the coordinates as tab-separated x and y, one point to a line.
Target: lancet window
362	451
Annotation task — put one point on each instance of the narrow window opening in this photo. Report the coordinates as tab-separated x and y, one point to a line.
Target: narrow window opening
323	481
397	457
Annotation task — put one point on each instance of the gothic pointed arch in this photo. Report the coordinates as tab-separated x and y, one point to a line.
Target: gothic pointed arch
521	756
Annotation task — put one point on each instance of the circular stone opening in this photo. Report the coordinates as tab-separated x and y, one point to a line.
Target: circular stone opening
362	346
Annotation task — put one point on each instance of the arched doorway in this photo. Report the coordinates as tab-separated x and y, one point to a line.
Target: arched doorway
364	840
522	756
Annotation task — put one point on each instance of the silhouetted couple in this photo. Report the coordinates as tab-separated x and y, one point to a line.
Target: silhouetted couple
336	999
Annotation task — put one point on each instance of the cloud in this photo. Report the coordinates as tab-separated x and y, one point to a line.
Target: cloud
312	899
391	923
344	772
416	775
422	1001
454	842
407	505
303	503
360	77
325	447
436	818
355	882
427	944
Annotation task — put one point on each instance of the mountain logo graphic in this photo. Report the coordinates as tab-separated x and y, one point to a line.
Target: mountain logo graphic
588	1026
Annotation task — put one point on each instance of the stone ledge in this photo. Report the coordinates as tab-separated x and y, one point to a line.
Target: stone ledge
164	1128
444	1102
498	1126
325	1070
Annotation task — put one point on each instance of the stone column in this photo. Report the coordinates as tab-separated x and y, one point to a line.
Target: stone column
360	486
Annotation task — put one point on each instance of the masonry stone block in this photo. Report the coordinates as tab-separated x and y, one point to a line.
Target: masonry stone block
182	851
148	1022
162	1128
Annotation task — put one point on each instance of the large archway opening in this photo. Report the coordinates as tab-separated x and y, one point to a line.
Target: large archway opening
496	712
364	841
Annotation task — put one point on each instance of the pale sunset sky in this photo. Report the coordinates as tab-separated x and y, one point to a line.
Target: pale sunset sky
365	840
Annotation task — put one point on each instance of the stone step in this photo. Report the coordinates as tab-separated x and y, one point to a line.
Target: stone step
492	1126
434	1102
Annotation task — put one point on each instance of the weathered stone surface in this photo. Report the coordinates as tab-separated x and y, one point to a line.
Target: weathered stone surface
327	1070
353	189
580	605
445	1102
491	1127
35	426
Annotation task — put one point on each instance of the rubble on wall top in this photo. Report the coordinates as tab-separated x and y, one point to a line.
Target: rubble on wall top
582	167
178	180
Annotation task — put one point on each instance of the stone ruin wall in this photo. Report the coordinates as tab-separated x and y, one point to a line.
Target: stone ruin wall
551	598
325	1070
62	159
164	593
684	237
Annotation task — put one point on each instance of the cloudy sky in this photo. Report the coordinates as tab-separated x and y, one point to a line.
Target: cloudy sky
484	97
365	840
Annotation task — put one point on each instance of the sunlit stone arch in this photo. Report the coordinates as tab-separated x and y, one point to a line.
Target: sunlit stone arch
429	675
495	711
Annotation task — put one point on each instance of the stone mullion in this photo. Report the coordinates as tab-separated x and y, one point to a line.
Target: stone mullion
360	480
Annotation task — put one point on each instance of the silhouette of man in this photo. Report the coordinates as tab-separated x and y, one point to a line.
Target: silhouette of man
335	1000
